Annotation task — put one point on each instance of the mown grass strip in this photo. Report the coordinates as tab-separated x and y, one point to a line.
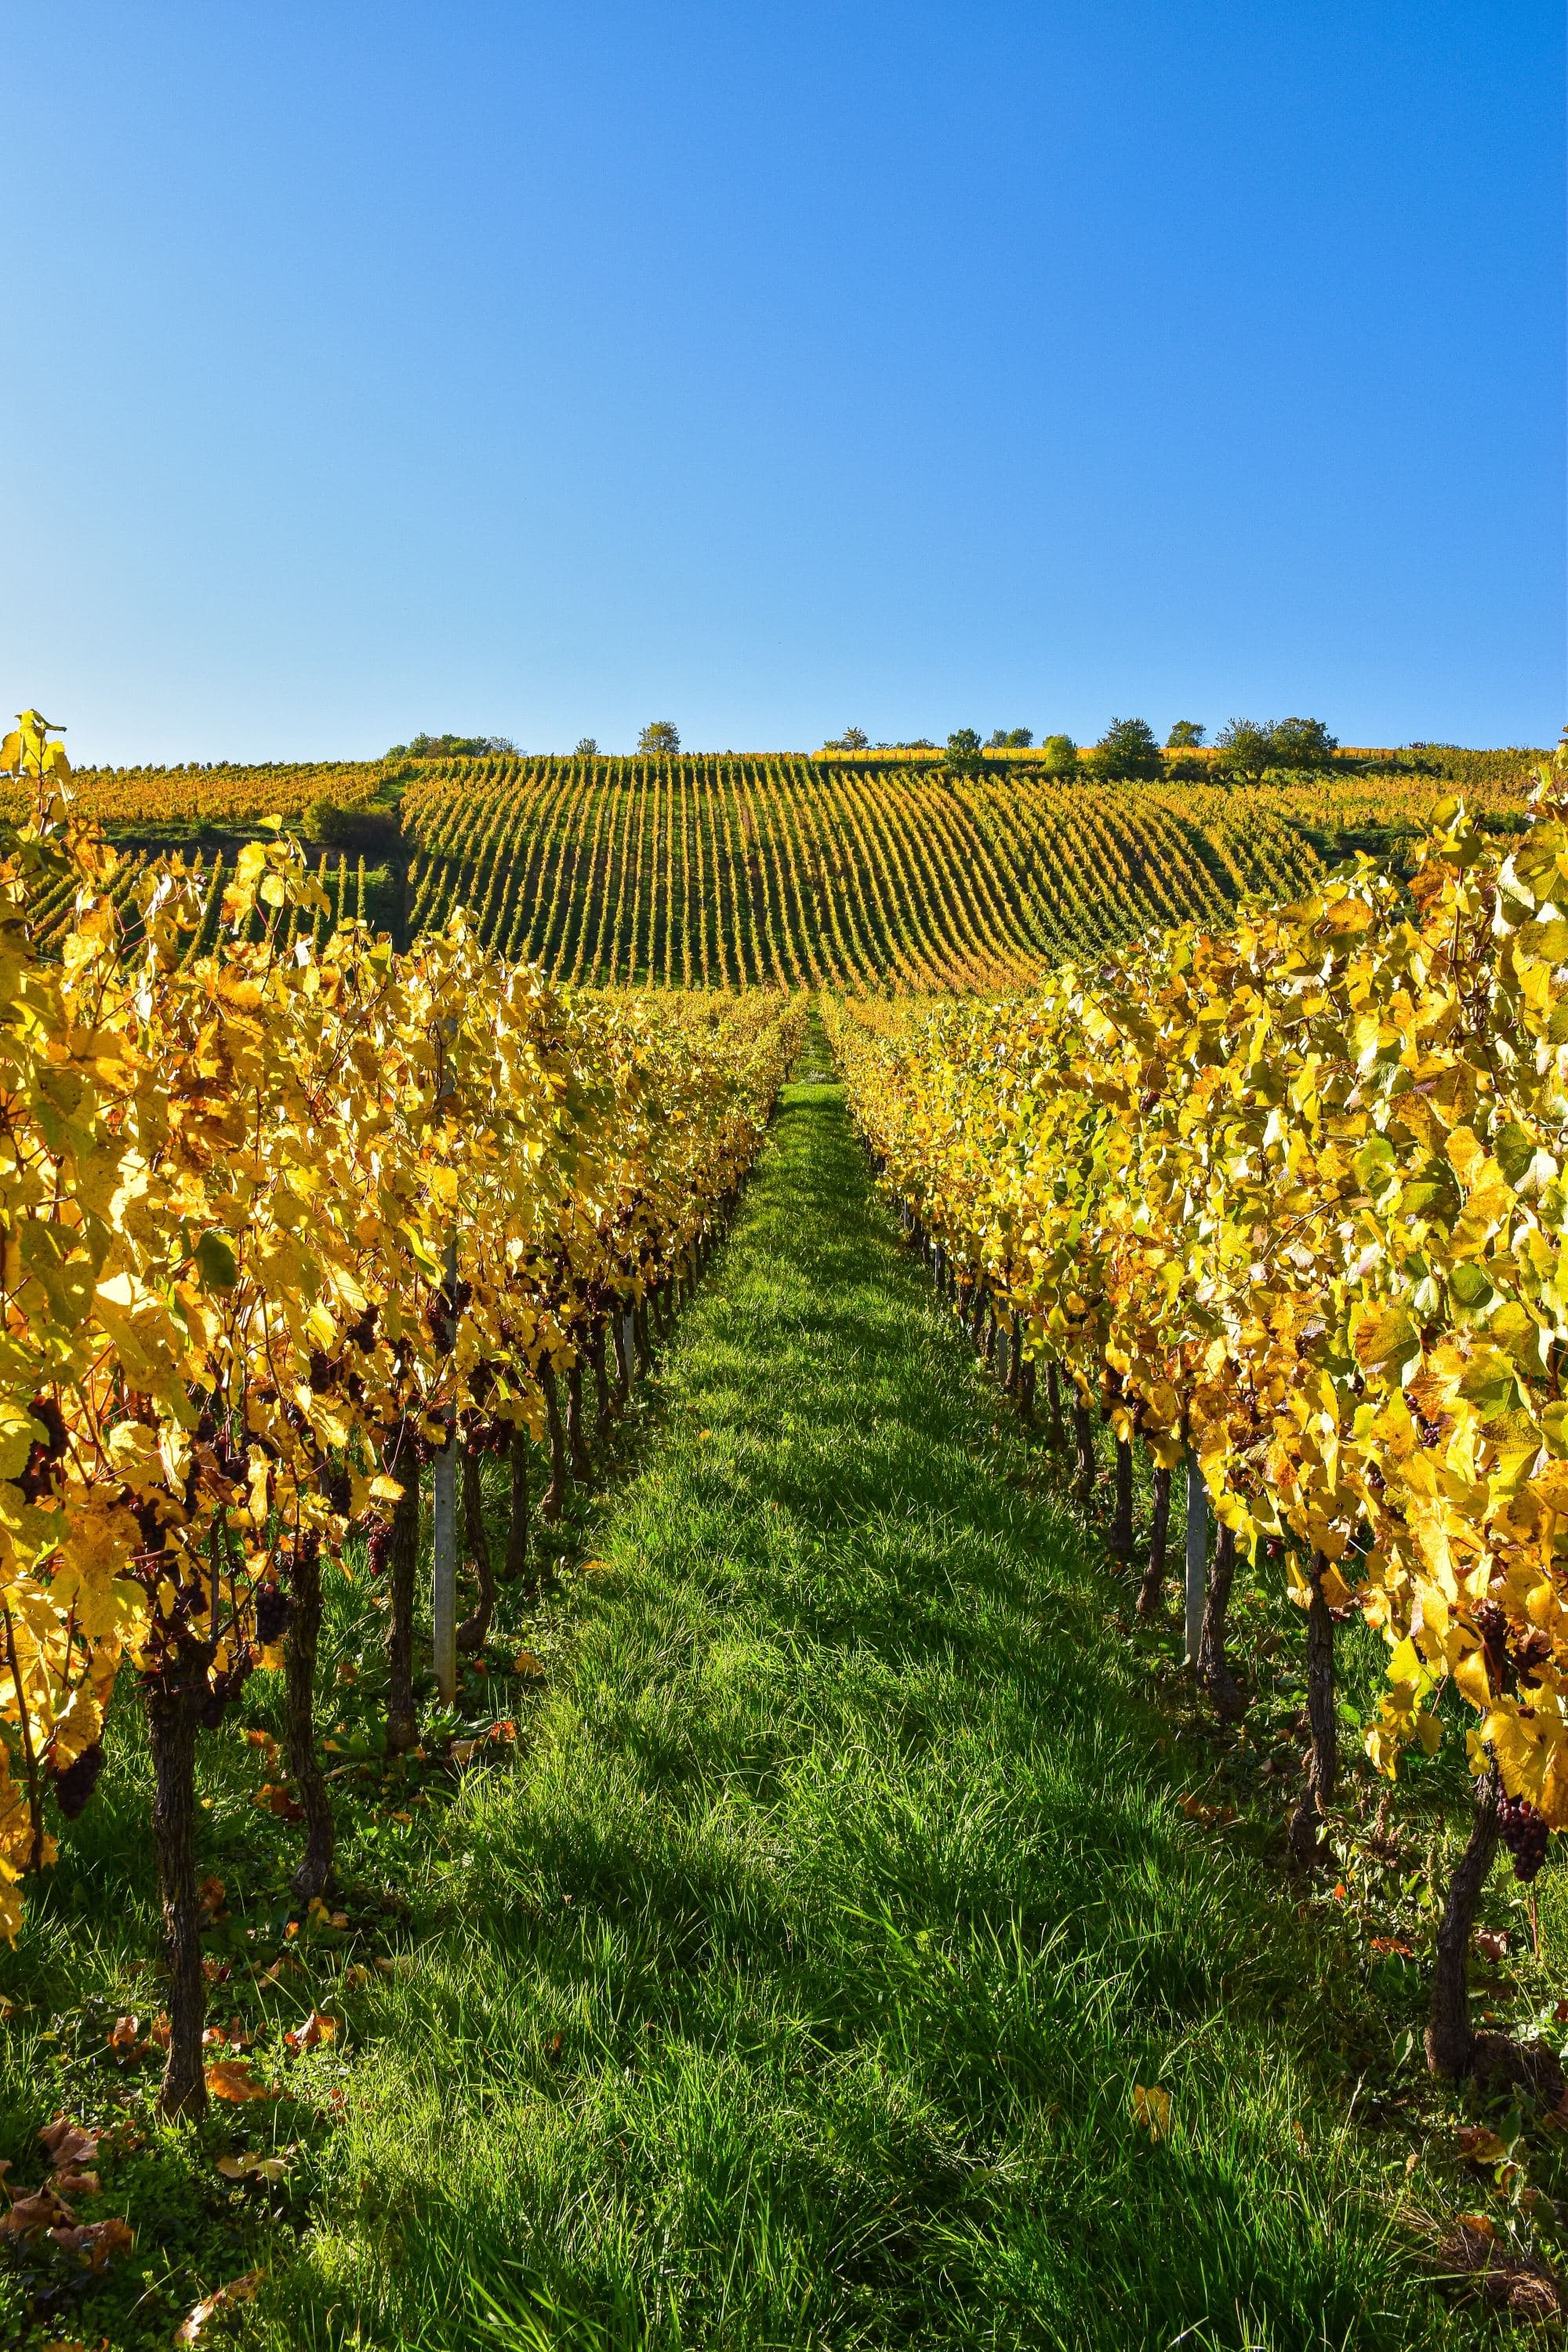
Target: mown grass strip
793	1987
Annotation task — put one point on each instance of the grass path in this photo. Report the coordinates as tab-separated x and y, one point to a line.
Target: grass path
791	1989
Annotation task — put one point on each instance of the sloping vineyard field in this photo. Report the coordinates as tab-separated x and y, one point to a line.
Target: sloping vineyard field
760	870
726	873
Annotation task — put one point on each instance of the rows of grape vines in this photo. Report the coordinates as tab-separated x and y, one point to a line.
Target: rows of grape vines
735	873
1286	1201
294	1227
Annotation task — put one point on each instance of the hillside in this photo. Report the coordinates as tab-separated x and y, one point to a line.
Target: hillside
725	871
732	870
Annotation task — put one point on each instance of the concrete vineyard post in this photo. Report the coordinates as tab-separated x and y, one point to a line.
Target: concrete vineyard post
444	1581
1197	1554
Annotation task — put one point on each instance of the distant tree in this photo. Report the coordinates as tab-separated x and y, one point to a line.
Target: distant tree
920	743
586	747
964	755
1301	743
1127	748
1060	754
661	737
1247	745
1011	739
454	747
1185	736
853	739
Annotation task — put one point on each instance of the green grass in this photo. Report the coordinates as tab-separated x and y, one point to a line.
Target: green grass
790	1988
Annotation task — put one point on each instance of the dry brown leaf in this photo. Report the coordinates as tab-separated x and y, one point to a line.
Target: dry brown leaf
191	2328
259	2167
68	2144
1151	2109
316	2028
34	2210
97	2242
231	2079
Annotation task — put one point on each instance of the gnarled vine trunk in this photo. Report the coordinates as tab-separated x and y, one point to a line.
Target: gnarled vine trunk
1153	1582
1214	1666
554	1497
302	1641
477	1624
173	1717
1451	2039
1322	1756
402	1568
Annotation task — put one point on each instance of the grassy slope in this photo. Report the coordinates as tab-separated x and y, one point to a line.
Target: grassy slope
791	1990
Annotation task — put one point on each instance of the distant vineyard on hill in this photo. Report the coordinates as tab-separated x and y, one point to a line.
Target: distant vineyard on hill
734	870
729	871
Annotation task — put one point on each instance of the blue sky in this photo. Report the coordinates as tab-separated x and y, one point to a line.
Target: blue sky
540	370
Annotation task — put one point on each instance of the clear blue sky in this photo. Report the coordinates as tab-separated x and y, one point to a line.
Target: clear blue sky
540	370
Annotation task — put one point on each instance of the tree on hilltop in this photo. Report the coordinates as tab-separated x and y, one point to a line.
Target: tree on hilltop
964	755
587	748
661	737
1302	743
1011	739
1059	753
1185	736
1127	748
1251	745
853	739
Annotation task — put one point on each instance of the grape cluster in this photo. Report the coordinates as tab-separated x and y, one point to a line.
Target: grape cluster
75	1782
378	1547
272	1608
1524	1833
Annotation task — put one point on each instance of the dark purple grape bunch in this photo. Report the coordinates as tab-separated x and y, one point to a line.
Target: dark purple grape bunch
441	1313
75	1782
272	1609
378	1547
1525	1835
362	1332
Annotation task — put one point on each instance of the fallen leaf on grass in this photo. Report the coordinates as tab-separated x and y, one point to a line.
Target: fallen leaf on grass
68	2144
1392	1945
210	1895
97	2242
34	2210
1151	2109
461	1750
1473	2248
316	2029
194	2326
1211	1816
1491	1944
407	1818
525	1663
273	1797
257	2168
123	2038
231	2079
1479	2145
78	2184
